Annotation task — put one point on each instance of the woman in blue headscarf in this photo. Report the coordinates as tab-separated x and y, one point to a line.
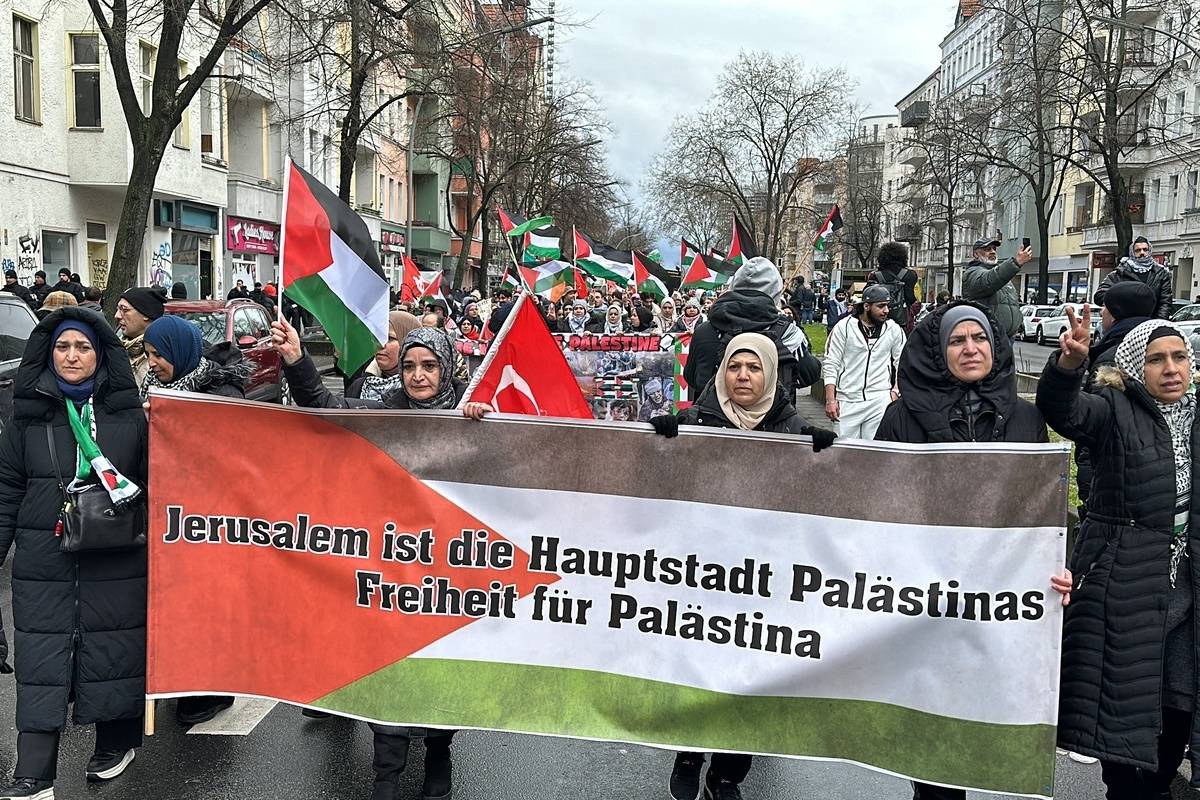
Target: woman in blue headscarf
80	617
174	353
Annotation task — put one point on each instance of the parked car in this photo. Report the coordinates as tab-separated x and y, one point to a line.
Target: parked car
246	324
1056	323
16	323
1178	304
1031	317
1188	317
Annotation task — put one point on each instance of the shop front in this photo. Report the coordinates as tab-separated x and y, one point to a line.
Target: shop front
253	247
391	253
183	247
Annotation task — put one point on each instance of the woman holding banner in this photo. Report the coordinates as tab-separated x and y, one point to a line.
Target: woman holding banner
425	380
79	615
1128	694
744	395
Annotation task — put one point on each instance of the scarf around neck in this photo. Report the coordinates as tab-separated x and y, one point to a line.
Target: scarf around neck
1140	265
89	459
438	343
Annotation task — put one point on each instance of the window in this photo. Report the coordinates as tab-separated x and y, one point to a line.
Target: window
97	253
147	53
56	251
1192	179
1155	201
379	197
327	168
243	324
1058	217
25	69
313	153
1180	105
1173	207
85	80
183	132
212	121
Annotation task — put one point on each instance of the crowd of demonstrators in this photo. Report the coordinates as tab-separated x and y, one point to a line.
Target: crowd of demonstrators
1127	402
1140	266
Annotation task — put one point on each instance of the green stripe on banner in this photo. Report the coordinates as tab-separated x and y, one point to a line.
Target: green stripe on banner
353	340
596	705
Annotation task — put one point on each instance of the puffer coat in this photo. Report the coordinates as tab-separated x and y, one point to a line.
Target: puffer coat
79	619
1114	632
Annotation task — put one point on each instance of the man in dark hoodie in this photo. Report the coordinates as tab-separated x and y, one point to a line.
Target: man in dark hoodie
750	306
14	287
1140	266
1126	305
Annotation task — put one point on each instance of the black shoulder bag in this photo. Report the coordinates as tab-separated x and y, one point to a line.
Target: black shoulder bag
88	520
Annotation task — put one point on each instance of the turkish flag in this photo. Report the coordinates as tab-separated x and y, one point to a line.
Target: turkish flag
525	371
409	287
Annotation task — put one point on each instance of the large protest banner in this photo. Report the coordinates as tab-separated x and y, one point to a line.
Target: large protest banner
627	376
882	604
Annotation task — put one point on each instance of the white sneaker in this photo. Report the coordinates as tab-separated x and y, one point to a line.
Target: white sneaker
108	765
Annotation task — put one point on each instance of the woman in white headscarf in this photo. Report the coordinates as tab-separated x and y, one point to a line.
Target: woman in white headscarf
1128	692
744	395
666	315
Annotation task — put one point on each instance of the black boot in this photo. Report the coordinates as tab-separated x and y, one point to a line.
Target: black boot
685	777
389	761
195	710
438	784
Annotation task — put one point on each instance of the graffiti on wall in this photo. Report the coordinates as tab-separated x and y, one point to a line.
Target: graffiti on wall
29	257
100	272
160	266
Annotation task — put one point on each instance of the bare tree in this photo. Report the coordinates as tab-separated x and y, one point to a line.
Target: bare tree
207	26
861	161
755	144
697	216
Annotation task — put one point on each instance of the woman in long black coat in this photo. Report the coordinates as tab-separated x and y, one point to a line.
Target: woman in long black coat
79	619
1128	692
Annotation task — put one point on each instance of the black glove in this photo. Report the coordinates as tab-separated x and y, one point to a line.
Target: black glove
821	437
667	425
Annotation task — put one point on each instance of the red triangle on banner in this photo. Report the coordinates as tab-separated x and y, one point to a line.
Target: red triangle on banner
525	371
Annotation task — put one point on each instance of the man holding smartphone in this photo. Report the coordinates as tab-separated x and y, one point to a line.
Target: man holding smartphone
988	281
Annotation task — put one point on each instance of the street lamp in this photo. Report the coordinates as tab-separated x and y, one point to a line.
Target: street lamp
412	128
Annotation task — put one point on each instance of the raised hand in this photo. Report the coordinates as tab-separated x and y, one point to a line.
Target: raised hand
1075	342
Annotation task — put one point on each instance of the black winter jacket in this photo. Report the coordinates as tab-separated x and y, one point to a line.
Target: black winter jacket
1157	278
308	390
79	620
739	311
1104	354
936	407
782	418
1110	702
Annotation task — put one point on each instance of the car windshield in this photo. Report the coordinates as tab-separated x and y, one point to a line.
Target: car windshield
211	323
1187	313
15	327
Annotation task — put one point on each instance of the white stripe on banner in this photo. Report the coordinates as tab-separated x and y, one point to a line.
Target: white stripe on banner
364	293
953	667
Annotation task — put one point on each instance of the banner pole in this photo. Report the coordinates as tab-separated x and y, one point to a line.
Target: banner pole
287	181
148	718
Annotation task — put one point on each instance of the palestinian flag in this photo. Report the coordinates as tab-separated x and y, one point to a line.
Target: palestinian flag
550	280
507	281
509	220
687	251
544	243
832	225
602	261
330	267
742	249
715	253
429	285
652	278
655	255
708	273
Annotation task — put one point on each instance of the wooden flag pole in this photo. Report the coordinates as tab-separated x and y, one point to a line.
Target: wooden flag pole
148	718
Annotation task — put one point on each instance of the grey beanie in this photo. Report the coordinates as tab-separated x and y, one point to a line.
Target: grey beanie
958	315
759	274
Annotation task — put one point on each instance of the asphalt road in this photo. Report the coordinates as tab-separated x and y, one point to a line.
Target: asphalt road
1030	357
288	756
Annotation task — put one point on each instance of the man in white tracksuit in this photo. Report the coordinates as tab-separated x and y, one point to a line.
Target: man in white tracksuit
862	355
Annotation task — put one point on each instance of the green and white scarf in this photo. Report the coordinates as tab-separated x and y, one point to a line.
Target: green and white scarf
89	459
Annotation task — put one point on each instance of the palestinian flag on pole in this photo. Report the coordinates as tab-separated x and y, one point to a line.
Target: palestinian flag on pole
430	285
742	248
833	224
550	280
652	278
507	281
687	251
330	267
602	261
708	273
543	244
715	253
508	220
525	371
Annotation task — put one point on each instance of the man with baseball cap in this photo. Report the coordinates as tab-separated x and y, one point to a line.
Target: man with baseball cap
862	355
988	281
136	309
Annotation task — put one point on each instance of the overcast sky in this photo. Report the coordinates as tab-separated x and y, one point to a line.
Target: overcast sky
649	60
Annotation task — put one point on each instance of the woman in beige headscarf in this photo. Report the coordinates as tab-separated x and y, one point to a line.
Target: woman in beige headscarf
744	395
383	373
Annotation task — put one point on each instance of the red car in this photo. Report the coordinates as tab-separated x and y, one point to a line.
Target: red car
246	324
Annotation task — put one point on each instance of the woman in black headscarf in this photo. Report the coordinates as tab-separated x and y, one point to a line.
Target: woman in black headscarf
80	618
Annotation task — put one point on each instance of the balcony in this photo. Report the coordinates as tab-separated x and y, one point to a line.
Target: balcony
429	239
253	197
915	115
908	232
1099	235
913	155
971	207
1190	224
254	76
